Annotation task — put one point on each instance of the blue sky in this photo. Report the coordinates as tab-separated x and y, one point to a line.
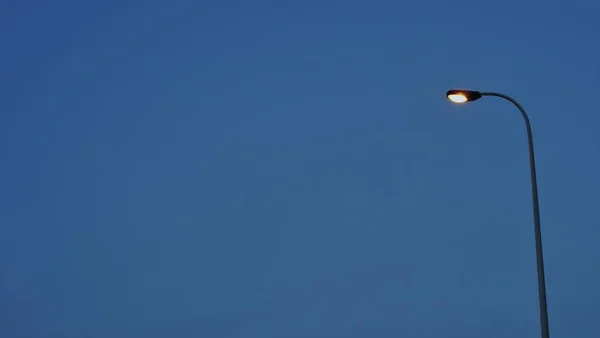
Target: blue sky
278	169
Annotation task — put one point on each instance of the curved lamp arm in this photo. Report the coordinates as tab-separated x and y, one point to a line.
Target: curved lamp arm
536	216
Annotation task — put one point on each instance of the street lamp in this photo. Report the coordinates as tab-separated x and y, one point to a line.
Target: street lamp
463	96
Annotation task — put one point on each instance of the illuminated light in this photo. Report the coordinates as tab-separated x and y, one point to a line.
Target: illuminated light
458	98
462	96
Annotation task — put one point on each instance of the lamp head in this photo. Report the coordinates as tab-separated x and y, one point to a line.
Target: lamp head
462	96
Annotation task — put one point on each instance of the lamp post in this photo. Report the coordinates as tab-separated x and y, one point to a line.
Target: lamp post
463	96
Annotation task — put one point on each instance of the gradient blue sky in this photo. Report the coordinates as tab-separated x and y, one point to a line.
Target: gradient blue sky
276	169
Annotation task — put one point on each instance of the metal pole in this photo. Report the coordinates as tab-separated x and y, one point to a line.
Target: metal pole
536	218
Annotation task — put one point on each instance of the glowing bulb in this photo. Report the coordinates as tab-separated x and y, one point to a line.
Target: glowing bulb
458	98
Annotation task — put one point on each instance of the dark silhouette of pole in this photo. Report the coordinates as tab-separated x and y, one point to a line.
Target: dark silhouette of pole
536	218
